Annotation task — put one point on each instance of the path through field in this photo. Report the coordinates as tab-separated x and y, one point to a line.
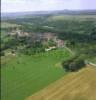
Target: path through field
75	86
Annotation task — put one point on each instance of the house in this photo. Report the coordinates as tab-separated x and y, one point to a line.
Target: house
13	33
60	43
22	34
48	36
19	33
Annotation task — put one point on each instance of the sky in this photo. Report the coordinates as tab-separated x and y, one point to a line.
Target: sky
46	5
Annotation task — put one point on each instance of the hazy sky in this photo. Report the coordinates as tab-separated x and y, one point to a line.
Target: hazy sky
39	5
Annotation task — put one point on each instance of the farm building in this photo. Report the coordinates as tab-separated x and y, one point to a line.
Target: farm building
60	43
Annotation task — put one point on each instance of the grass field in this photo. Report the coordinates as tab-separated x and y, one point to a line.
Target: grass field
25	75
8	25
74	86
71	17
93	60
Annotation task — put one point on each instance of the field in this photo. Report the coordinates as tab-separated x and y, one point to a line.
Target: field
8	25
93	60
25	75
74	86
71	17
27	72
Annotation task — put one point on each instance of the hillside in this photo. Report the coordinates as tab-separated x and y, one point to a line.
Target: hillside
75	86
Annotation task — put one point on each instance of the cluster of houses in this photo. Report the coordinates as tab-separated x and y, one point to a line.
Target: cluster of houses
19	33
43	37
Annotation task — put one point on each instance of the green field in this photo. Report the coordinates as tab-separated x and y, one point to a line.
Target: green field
71	17
93	60
25	75
8	25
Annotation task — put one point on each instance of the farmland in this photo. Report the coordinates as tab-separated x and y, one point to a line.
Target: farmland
8	25
25	75
39	54
71	17
74	86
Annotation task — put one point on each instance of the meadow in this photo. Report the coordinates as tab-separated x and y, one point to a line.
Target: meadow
71	17
24	75
8	25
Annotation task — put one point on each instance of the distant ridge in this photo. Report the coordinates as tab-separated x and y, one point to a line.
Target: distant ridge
38	13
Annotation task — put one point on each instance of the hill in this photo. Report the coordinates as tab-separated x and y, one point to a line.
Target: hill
75	86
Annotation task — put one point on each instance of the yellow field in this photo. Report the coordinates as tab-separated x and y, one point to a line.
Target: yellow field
75	86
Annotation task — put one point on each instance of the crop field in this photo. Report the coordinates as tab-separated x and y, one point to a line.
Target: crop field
35	48
24	75
8	25
74	86
71	17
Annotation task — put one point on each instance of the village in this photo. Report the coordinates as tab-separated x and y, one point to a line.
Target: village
44	38
48	56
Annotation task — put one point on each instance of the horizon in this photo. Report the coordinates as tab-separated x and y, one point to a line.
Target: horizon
51	10
13	6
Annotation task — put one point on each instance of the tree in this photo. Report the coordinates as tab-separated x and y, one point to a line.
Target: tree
2	53
74	64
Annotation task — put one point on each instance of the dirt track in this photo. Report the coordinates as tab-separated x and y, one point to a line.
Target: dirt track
74	86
